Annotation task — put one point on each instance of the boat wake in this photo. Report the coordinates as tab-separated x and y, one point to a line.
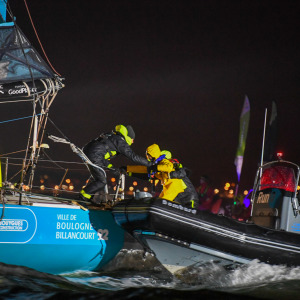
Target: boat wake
132	274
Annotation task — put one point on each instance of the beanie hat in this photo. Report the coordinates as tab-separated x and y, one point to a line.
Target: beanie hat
131	133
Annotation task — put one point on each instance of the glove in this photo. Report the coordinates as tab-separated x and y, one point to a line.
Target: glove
123	170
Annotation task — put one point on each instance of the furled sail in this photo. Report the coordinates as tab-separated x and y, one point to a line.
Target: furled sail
23	73
22	70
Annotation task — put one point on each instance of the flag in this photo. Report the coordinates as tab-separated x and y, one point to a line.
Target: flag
244	124
271	136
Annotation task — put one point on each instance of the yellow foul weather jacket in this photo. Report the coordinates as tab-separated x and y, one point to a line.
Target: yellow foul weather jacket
171	187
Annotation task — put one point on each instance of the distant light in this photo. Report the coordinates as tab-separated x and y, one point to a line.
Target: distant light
227	184
68	180
226	188
42	181
135	183
26	187
233	184
246	192
216	191
71	187
145	189
56	187
12	186
279	155
113	179
231	192
298	187
42	187
131	188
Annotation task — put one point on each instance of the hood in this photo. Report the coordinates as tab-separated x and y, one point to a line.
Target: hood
124	132
154	151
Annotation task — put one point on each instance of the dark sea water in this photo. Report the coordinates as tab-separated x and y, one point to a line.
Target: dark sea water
135	275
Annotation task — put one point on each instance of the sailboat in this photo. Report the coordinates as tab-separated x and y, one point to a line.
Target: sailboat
40	228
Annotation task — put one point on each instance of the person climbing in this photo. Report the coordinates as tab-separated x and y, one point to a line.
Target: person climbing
101	150
189	197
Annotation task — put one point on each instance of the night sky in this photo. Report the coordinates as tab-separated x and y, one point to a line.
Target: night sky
177	71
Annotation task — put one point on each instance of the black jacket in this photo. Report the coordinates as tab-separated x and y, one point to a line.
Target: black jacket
114	144
181	173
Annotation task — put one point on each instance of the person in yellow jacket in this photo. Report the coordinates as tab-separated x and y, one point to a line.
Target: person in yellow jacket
161	169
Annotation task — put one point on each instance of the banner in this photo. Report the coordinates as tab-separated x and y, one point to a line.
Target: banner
244	124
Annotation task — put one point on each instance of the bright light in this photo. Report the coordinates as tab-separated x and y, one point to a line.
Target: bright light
226	188
135	183
71	187
42	187
68	181
131	188
279	155
227	184
230	192
26	187
233	184
216	191
298	187
246	192
42	181
12	186
145	189
113	179
56	187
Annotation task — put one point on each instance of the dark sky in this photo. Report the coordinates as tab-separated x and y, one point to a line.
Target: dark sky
177	71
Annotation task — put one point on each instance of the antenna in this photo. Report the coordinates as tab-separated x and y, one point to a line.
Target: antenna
264	136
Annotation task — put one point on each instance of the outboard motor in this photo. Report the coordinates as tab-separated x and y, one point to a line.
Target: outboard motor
274	199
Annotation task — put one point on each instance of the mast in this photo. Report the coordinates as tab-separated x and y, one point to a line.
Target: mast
26	76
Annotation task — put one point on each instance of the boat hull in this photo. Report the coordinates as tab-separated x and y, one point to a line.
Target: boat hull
181	237
58	238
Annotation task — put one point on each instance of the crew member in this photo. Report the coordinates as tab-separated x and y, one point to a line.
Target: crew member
189	197
101	150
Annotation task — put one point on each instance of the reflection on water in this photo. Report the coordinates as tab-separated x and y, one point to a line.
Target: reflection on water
136	275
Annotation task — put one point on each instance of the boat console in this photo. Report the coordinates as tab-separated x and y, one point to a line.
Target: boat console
274	199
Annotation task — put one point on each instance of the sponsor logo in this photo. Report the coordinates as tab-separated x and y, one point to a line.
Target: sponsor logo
263	198
22	90
13	225
178	206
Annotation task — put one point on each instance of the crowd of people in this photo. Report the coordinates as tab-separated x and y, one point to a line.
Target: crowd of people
158	164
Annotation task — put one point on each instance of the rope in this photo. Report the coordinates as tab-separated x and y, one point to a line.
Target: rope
12	152
76	150
14	101
37	36
17	119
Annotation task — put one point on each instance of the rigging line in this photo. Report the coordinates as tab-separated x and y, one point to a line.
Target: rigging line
37	36
15	101
16	119
58	129
12	152
60	167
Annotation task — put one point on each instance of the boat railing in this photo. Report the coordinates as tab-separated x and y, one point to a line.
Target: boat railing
58	179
